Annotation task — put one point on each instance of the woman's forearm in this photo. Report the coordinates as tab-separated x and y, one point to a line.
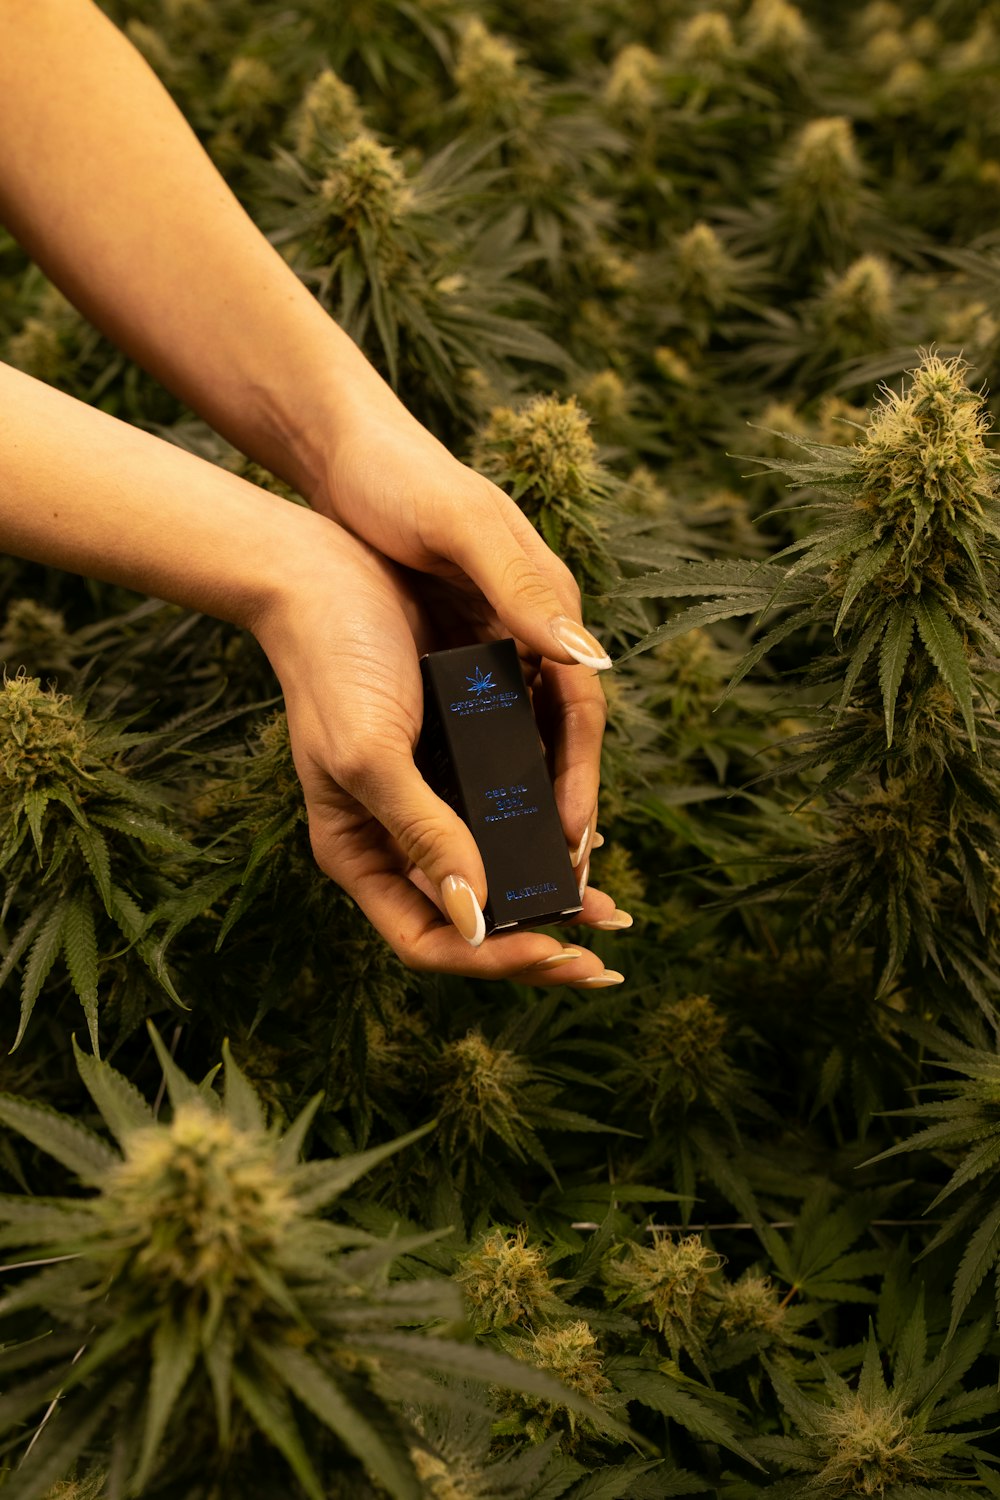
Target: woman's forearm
106	186
83	491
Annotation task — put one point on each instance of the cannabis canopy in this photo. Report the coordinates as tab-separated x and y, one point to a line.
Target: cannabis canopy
711	290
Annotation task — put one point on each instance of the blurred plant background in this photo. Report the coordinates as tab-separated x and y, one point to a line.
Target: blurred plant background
714	290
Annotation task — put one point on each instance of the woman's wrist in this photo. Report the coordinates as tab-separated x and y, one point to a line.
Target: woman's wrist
344	398
82	491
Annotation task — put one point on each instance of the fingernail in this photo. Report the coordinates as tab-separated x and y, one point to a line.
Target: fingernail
598	841
583	878
580	644
577	854
599	981
463	909
614	924
554	959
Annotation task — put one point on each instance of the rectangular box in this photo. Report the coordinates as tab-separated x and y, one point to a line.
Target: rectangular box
480	751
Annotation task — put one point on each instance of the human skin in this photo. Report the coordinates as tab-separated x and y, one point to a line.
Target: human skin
105	185
132	509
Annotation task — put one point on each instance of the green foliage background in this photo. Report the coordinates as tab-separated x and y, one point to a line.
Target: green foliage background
646	265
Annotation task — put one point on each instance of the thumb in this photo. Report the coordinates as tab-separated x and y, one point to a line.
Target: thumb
531	591
430	835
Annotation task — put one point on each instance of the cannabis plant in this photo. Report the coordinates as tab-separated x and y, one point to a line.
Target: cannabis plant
963	1128
895	1439
590	243
81	842
901	575
202	1257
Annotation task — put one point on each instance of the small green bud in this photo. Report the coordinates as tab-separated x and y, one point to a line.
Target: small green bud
328	115
506	1281
487	76
667	1282
705	41
633	85
366	182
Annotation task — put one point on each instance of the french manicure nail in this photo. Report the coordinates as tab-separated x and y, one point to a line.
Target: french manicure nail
577	854
463	909
580	644
555	959
583	878
616	923
600	981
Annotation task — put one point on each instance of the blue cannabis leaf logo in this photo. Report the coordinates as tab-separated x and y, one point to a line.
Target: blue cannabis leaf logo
480	684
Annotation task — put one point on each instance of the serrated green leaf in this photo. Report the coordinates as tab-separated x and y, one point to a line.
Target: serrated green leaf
240	1099
911	1350
80	949
179	1087
41	957
859	657
388	1462
289	1148
23	937
35	802
269	1408
486	1366
981	1254
219	1352
174	1349
94	849
947	651
895	652
871	1381
148	831
660	1393
122	1107
697	616
866	567
318	1183
799	620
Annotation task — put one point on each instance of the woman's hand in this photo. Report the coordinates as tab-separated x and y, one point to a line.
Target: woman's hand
485	571
344	640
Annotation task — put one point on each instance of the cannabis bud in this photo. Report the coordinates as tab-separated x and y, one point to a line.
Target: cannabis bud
856	308
479	1090
776	29
926	471
633	85
704	273
705	41
366	183
506	1281
250	87
328	116
667	1282
486	73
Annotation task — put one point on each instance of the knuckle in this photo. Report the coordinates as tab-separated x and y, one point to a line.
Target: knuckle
587	716
352	762
411	957
365	766
521	578
419	836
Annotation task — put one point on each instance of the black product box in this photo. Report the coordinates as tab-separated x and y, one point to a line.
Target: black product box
480	751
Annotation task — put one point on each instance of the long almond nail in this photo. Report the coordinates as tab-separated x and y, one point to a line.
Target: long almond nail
583	878
581	645
555	959
616	923
463	909
600	981
577	854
